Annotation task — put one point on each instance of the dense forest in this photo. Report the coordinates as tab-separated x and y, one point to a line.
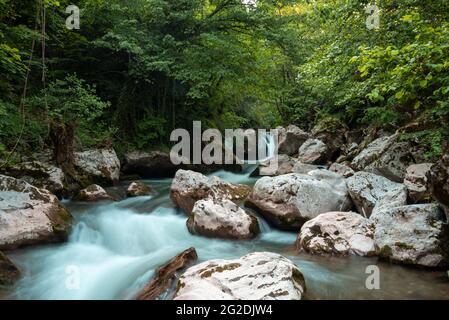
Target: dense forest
137	69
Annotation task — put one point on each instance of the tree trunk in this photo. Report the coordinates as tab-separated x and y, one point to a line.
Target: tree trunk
63	136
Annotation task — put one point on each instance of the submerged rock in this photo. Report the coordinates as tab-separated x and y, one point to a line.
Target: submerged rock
100	166
339	233
290	200
291	139
368	191
93	193
164	281
222	219
256	276
416	182
416	234
9	273
29	215
313	151
138	189
188	187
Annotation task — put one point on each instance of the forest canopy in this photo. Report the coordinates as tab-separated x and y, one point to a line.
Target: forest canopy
137	69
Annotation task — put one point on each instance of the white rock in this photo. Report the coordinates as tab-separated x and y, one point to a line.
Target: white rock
416	181
93	193
29	215
290	200
102	165
188	187
313	151
339	233
256	276
222	219
416	234
368	191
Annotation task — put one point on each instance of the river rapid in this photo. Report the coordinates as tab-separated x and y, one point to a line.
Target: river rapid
114	249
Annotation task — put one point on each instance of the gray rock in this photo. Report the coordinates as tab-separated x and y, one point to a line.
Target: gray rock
313	151
368	191
337	233
93	193
291	139
290	200
256	276
222	219
416	234
416	182
101	166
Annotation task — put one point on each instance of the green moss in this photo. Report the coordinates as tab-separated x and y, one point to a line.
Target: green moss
404	246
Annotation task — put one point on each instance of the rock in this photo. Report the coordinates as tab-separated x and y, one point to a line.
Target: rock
416	182
279	165
188	187
388	157
342	170
416	234
291	139
290	200
256	276
332	132
29	215
100	166
368	191
337	233
9	273
159	164
222	219
313	151
304	168
39	174
138	189
166	276
438	182
93	193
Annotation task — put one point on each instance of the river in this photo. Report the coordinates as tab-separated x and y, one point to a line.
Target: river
114	249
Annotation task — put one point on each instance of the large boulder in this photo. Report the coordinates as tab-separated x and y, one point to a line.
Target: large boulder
313	151
291	139
138	189
188	187
9	273
39	174
416	234
337	233
368	191
389	157
256	276
93	193
438	182
416	182
222	219
29	215
166	276
100	166
290	200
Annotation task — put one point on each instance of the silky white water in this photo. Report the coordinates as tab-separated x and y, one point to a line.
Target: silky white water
115	248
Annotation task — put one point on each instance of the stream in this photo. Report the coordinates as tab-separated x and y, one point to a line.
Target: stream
114	249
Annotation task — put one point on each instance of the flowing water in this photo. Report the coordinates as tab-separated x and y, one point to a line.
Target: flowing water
115	247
